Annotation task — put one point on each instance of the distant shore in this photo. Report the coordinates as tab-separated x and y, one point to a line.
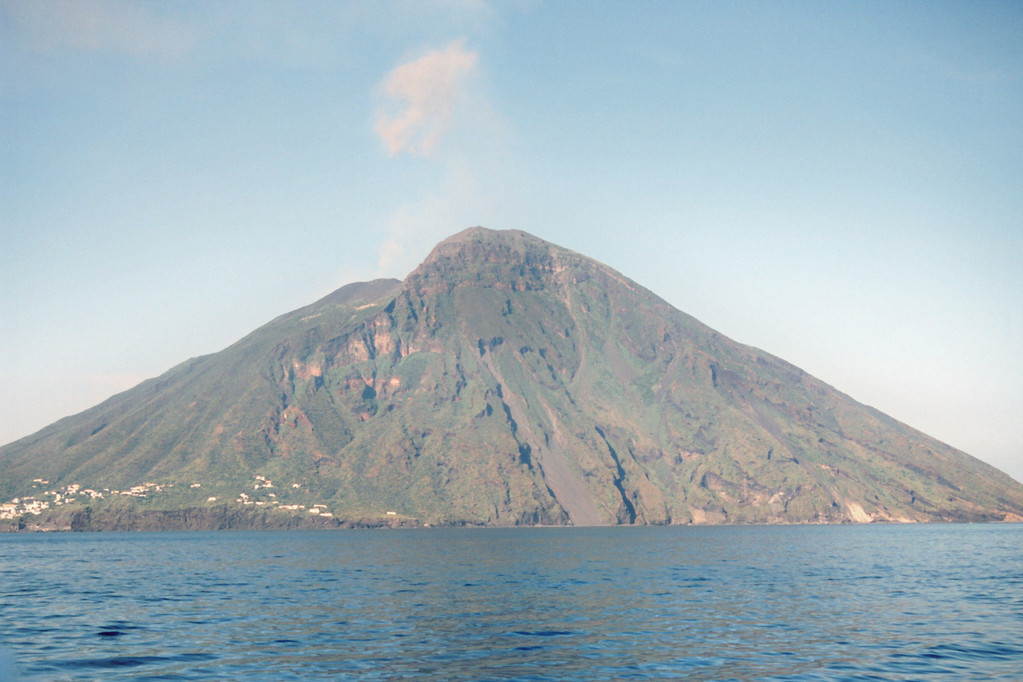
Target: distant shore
221	517
224	517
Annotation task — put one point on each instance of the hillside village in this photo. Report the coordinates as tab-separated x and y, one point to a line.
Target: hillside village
74	494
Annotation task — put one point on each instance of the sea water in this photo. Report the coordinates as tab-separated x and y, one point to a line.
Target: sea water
796	602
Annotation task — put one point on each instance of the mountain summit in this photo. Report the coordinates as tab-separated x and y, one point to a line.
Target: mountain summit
505	381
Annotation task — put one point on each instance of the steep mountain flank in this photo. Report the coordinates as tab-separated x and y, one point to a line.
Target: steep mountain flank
504	381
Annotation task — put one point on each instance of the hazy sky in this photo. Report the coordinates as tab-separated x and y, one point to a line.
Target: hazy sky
837	183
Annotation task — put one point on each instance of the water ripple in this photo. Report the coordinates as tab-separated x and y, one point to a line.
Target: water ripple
601	604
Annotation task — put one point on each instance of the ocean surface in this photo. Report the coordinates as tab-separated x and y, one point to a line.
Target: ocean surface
797	602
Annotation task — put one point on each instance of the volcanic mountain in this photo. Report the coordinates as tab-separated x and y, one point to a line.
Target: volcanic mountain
505	381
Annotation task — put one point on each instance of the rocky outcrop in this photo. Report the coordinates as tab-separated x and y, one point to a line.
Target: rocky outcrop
221	517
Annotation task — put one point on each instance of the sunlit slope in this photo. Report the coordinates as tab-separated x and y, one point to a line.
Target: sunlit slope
510	381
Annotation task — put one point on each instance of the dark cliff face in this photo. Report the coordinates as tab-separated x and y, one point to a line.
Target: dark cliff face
510	381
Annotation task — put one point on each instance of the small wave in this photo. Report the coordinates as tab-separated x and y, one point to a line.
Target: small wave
113	662
993	651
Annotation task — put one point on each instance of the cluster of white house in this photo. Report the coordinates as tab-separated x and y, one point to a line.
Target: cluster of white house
49	498
73	493
261	483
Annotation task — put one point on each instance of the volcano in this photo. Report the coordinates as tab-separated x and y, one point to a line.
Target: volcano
505	381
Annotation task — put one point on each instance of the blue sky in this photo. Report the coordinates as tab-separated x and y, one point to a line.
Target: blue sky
839	184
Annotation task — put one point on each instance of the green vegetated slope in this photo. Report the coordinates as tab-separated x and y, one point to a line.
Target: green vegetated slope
505	381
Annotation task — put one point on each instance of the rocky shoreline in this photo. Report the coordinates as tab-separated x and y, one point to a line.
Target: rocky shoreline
221	517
